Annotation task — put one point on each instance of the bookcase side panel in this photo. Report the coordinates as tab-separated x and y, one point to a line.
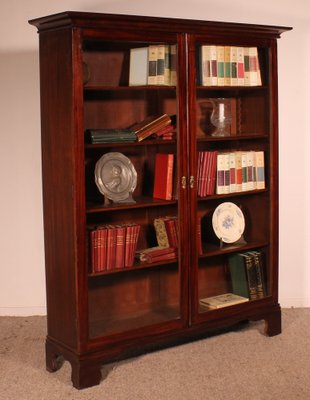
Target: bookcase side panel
58	184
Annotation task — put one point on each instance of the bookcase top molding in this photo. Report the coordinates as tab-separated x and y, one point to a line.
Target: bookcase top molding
84	20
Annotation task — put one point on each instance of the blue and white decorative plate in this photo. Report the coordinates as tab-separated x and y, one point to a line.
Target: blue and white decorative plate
228	222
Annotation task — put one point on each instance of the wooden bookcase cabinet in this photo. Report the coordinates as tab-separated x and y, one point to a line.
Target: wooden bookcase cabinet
97	318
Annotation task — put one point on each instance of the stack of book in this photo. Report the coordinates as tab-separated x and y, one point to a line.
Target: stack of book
224	173
98	136
158	253
153	65
161	126
247	274
229	66
158	126
113	246
222	300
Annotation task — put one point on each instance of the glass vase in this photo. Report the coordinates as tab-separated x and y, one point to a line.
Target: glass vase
221	116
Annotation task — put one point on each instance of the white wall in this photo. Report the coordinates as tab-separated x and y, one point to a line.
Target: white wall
22	286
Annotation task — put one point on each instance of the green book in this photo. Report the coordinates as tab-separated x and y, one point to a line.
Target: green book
238	275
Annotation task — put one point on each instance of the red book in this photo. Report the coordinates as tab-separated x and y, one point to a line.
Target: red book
120	247
199	176
163	176
111	247
94	251
212	180
167	256
133	244
206	172
99	249
171	229
128	238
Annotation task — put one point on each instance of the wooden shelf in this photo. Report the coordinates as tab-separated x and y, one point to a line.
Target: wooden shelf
212	250
247	137
147	142
137	266
141	202
234	194
127	88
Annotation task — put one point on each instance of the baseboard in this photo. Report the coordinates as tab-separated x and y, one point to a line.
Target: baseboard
286	302
22	311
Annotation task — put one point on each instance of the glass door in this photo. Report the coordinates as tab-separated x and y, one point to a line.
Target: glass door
135	207
231	135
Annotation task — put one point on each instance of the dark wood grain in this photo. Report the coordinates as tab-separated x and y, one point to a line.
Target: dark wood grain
98	318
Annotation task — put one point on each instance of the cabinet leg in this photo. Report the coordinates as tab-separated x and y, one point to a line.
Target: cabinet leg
53	359
273	323
84	375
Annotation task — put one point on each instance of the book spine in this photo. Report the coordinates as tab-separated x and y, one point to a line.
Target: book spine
161	233
152	64
173	65
120	247
260	170
234	65
251	275
220	52
227	60
240	66
163	181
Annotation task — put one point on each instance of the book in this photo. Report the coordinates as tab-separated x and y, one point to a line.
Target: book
260	170
139	66
161	232
163	64
223	173
150	126
240	66
209	65
227	61
247	276
220	54
111	247
258	263
156	253
98	250
120	246
173	64
234	65
98	136
222	300
163	177
152	64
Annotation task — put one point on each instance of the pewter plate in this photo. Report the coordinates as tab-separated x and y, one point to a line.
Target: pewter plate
115	176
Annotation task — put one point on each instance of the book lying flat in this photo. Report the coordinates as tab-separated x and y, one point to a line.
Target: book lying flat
223	300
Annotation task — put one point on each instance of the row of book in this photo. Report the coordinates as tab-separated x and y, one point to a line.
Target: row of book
229	172
113	246
247	273
157	127
229	66
153	65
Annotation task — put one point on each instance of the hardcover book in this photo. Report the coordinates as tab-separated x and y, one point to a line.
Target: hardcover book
223	300
163	180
